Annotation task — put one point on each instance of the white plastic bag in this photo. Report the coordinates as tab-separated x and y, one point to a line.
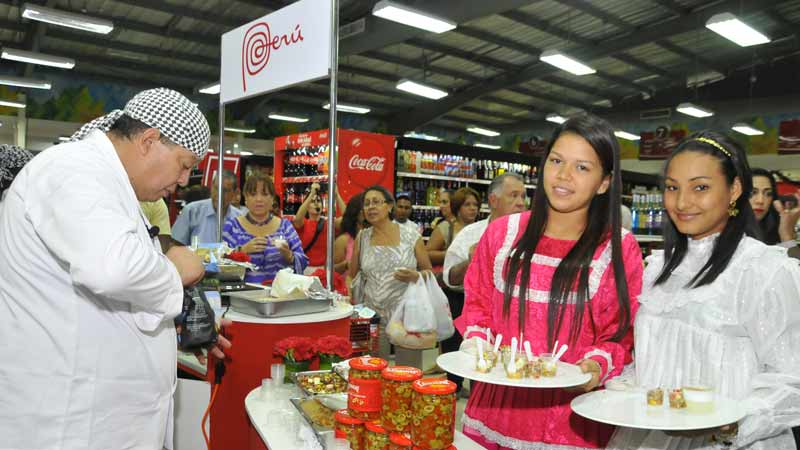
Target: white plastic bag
441	309
413	324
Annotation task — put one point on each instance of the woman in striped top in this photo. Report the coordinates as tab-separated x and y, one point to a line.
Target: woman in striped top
271	241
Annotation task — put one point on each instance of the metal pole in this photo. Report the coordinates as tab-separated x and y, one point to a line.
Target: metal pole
220	168
332	142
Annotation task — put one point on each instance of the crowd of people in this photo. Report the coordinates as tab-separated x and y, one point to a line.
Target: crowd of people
718	306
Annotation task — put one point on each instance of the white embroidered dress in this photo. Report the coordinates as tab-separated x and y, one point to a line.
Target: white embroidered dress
740	334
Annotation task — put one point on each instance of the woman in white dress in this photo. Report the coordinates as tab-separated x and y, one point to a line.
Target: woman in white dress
718	307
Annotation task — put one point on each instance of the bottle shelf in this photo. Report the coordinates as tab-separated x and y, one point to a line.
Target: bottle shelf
309	179
425	176
648	238
484	208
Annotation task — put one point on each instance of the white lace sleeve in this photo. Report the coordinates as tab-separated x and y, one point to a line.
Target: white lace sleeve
773	323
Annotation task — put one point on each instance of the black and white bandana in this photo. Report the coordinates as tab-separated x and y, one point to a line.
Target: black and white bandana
170	112
12	158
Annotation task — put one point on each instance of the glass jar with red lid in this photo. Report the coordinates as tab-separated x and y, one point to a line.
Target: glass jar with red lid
364	390
434	414
399	441
377	437
349	428
396	396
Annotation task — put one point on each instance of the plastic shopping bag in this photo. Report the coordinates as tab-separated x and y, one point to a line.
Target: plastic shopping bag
441	309
412	324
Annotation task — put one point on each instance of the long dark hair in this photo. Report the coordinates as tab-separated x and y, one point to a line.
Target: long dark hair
603	220
733	166
350	217
769	224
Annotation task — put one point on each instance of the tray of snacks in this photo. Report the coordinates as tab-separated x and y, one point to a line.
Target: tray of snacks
539	372
688	408
260	303
317	416
320	382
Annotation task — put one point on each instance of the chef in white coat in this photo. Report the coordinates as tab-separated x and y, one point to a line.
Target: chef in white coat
87	298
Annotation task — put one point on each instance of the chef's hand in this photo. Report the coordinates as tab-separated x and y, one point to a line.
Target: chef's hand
217	348
283	247
256	245
729	430
588	366
406	275
189	265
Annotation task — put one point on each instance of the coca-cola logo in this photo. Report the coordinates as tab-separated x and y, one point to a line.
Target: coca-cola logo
374	163
258	44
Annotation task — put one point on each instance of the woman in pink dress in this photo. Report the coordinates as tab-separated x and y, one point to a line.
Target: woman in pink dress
582	274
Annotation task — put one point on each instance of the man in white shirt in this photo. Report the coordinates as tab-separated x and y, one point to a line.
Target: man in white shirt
402	212
87	297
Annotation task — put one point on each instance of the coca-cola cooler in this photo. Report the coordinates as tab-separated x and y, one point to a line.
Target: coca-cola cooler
365	159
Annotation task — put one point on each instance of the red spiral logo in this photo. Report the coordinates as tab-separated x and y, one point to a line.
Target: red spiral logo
255	51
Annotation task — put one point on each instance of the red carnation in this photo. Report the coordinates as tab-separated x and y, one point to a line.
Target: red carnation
295	348
334	345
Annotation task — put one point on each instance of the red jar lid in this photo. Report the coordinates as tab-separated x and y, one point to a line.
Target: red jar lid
375	427
401	373
368	363
435	386
342	416
400	439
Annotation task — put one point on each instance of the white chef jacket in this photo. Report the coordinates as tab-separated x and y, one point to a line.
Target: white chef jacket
87	298
458	251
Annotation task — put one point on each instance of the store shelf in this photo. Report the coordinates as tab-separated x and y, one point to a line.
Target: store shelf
484	208
425	176
312	179
648	238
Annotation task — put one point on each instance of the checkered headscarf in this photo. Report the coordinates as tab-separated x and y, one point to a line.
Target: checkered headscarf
12	158
168	111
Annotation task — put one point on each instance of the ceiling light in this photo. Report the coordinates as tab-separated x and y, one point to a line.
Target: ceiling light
66	19
344	107
288	118
491	146
64	138
420	89
690	109
12	104
625	135
427	137
235	145
37	58
565	62
211	89
240	130
746	129
555	118
389	10
246	153
483	131
730	27
24	82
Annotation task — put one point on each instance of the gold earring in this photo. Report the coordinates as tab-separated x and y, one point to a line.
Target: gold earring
733	211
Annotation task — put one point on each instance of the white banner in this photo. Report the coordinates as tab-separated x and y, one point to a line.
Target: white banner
287	47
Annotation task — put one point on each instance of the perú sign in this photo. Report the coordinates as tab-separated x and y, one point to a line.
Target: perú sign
286	47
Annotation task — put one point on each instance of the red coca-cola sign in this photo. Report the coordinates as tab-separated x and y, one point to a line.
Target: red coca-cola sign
365	159
375	163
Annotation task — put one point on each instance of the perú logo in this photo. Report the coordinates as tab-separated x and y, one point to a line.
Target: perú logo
258	44
374	163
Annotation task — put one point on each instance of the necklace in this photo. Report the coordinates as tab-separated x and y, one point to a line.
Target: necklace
257	222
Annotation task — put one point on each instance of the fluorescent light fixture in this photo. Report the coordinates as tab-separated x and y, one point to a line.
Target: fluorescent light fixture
246	153
14	54
211	89
555	118
396	12
483	131
24	82
63	138
12	104
277	116
427	137
240	130
625	135
235	145
350	108
690	109
746	129
491	146
730	27
66	19
565	62
422	90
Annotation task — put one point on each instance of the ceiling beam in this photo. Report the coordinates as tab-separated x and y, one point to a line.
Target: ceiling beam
587	8
660	29
417	64
691	56
190	13
673	6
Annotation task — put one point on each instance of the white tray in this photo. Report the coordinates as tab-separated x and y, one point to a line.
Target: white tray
629	409
463	364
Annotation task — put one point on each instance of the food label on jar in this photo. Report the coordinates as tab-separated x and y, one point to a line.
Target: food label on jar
364	395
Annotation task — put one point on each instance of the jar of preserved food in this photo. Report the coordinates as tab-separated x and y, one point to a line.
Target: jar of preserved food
350	429
377	437
364	391
434	414
399	441
396	396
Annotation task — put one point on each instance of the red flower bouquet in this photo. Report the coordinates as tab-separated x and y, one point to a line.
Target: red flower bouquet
295	348
334	346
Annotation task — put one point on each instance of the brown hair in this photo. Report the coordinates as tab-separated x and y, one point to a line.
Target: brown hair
458	199
251	184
